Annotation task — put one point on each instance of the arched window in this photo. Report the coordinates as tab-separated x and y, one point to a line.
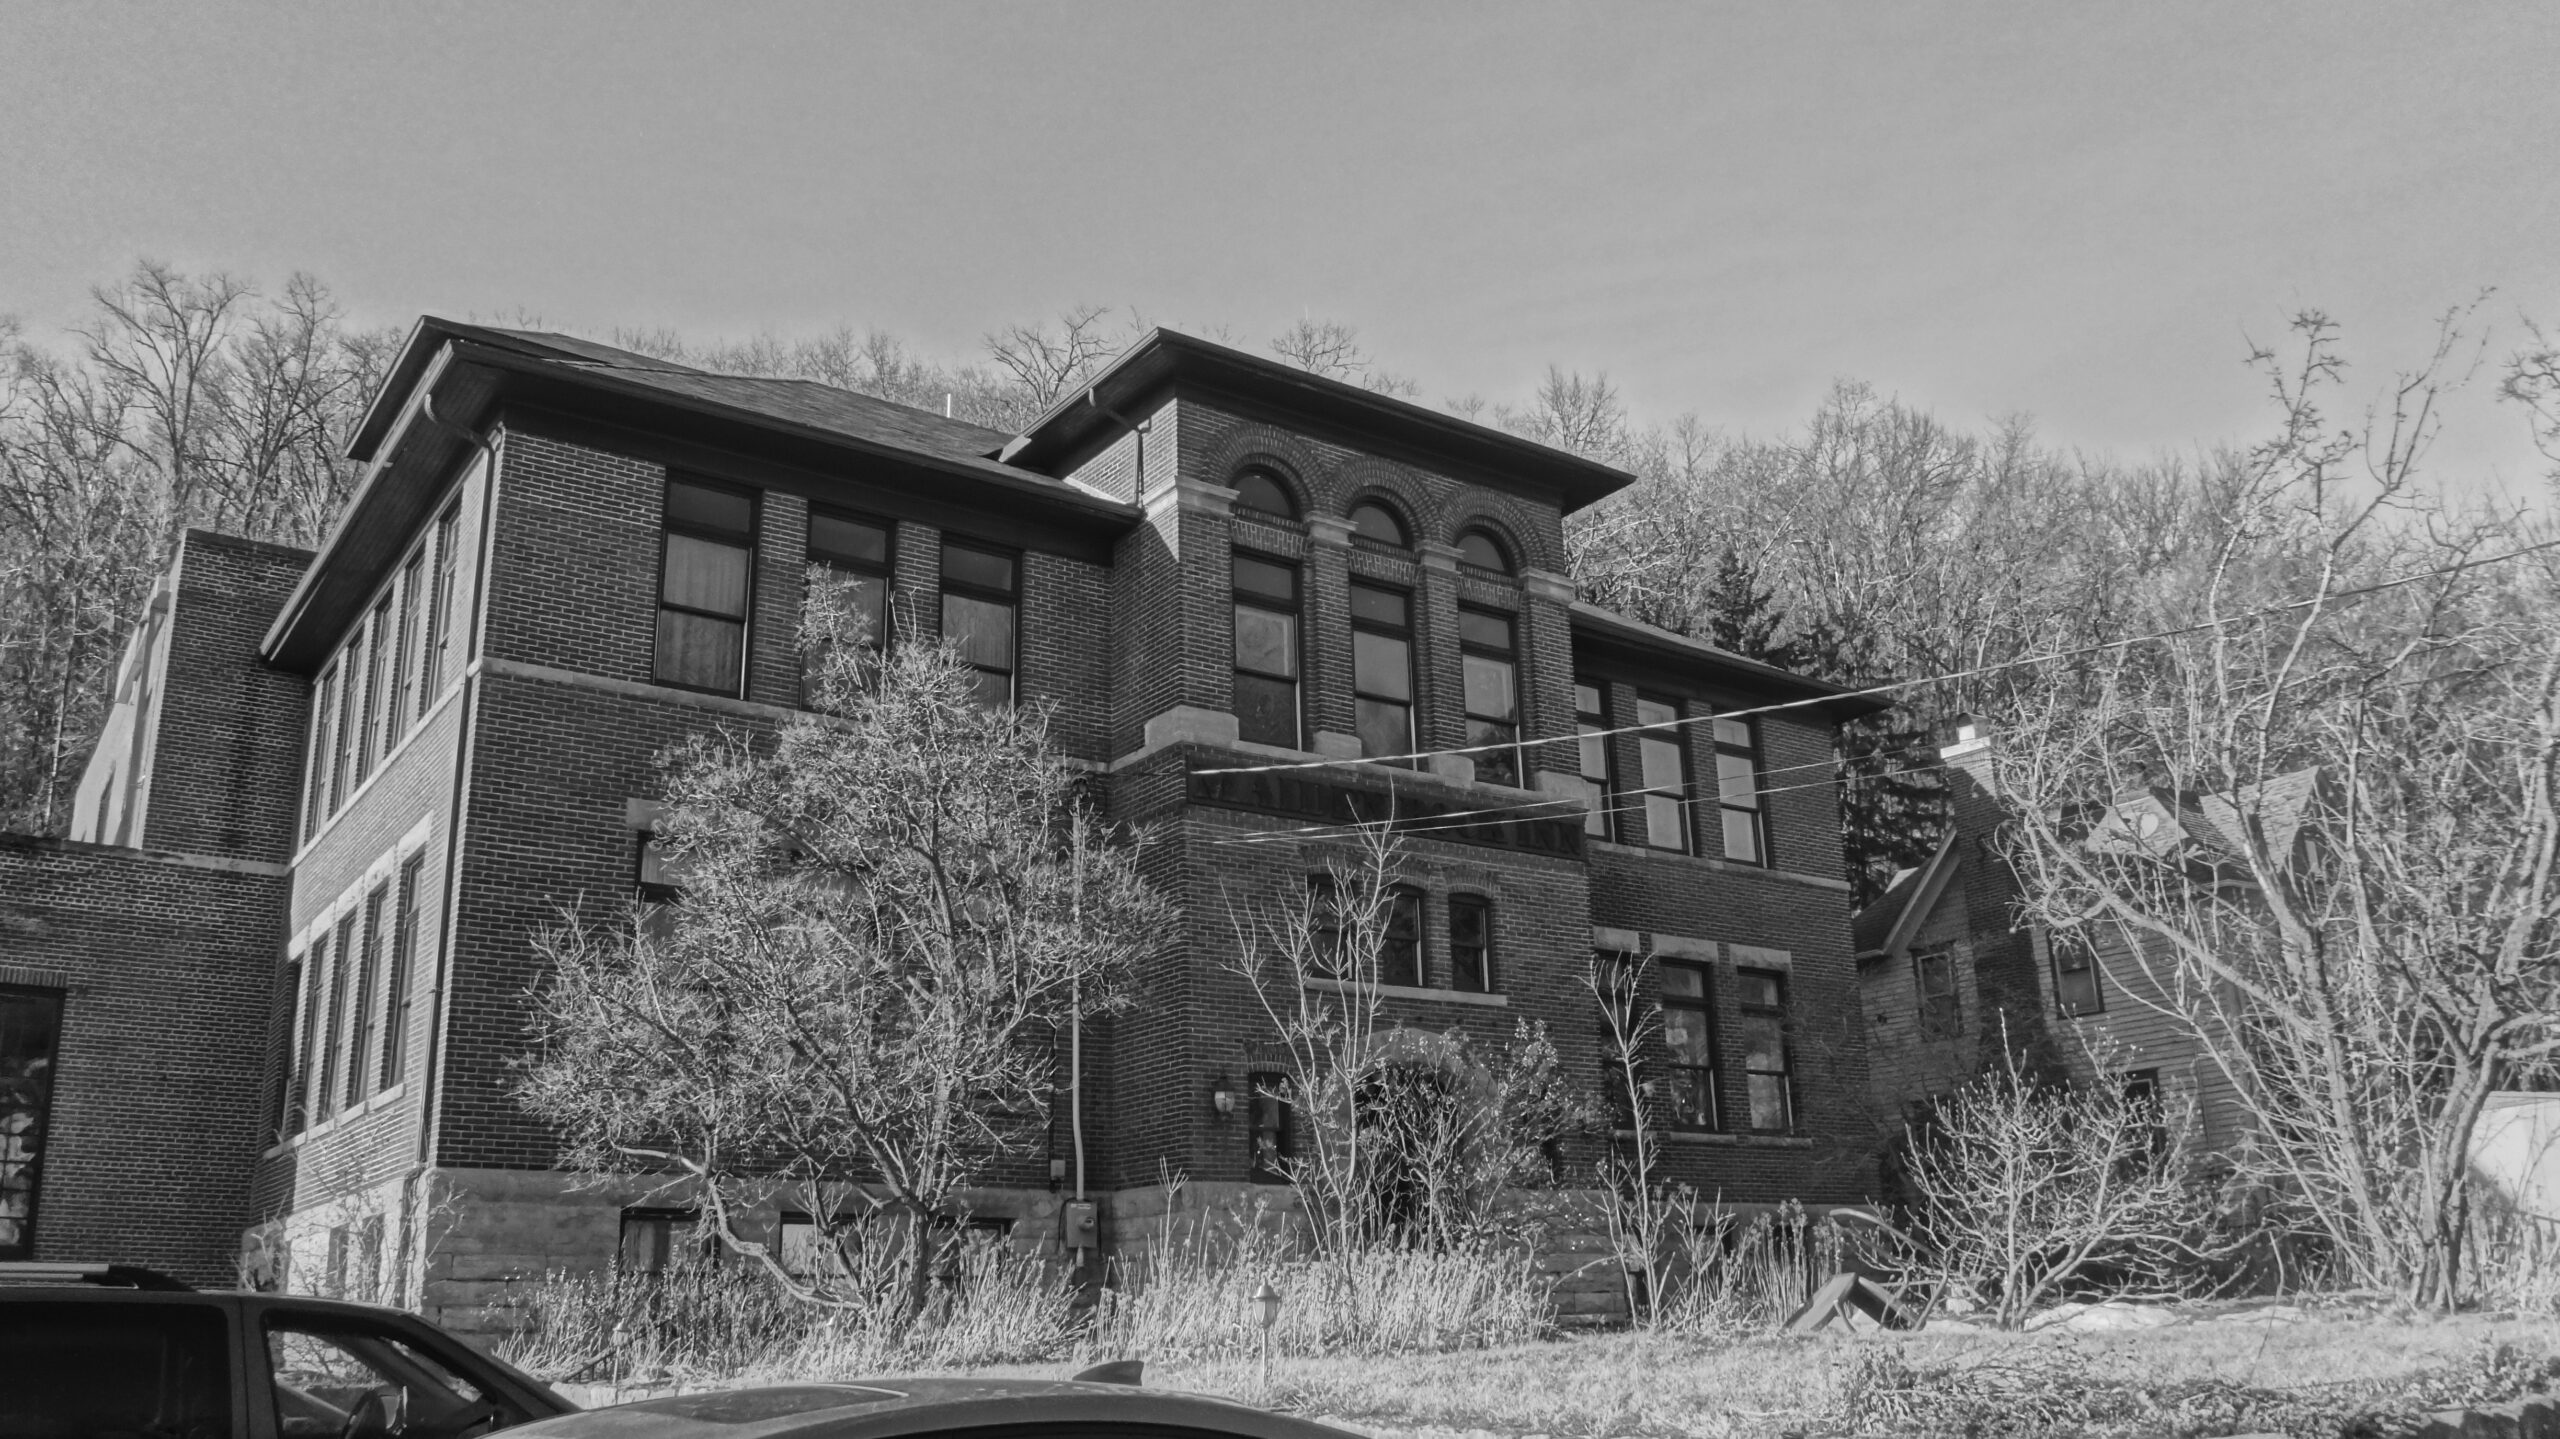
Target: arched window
1483	551
1262	492
1373	521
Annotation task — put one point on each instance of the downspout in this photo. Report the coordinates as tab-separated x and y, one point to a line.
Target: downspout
410	1219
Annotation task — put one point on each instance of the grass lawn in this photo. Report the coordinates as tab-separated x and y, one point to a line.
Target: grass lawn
1628	1384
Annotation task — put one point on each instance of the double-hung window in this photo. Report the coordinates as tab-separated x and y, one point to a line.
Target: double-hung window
1400	947
1688	1035
1591	722
981	588
351	683
1266	613
1471	943
2075	976
860	555
1488	646
287	1106
404	954
1270	1112
1746	838
360	1015
306	1036
1382	671
1941	1013
436	657
378	659
406	700
706	576
1664	762
334	1022
1763	995
324	708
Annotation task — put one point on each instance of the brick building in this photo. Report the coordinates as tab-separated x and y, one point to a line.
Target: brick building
564	556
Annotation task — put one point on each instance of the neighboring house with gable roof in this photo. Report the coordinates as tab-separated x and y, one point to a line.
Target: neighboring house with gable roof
1948	966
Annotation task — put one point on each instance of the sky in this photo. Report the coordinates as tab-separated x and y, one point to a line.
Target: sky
2083	214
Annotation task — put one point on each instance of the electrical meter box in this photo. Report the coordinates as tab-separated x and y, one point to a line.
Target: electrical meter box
1077	1222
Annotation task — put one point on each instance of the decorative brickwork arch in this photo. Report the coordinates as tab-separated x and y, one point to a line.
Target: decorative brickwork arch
1505	520
1300	468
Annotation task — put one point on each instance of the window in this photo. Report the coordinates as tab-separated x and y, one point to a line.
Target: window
1591	721
1269	1097
2142	1096
1688	1033
288	1095
330	1374
1484	552
2075	976
707	572
342	763
30	1048
1764	1047
404	654
1266	664
1941	1014
74	1367
436	664
404	950
860	553
360	1015
653	1237
1738	792
660	886
371	741
1260	492
1324	926
1377	524
1400	947
306	1038
342	960
1664	770
1382	671
1486	641
979	587
1471	943
316	790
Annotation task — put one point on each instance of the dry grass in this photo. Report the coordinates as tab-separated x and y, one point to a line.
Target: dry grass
1628	1384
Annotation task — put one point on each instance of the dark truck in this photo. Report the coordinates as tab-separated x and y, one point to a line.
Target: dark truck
104	1351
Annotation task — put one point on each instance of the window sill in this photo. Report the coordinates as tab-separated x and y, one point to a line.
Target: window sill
1721	866
336	1121
1411	991
1722	1140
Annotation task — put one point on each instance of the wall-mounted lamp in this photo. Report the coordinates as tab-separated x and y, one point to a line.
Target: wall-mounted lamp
1222	1097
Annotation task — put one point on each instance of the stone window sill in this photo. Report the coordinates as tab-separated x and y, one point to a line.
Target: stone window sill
1724	1140
1720	866
1409	991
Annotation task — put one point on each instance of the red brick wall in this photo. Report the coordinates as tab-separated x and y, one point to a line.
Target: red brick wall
226	747
166	964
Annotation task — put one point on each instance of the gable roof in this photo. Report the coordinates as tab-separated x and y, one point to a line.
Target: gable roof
1892	920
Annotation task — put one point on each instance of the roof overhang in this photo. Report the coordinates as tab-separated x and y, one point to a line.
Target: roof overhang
1165	361
452	382
1606	632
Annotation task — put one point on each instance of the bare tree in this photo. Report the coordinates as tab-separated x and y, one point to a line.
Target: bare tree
2027	1192
1332	349
2327	819
1405	1136
889	916
1050	363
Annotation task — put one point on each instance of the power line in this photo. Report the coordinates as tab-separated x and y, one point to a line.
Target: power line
1895	686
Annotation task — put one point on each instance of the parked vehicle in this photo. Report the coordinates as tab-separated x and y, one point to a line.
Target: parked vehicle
948	1408
110	1350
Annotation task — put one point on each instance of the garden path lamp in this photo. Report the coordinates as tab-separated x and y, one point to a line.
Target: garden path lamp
1266	1301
